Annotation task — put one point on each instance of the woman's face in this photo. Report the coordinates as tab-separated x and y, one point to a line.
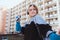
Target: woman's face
32	11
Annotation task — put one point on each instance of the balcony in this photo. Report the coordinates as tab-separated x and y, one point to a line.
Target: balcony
54	8
55	15
23	21
42	6
40	1
47	22
51	22
23	17
51	16
50	8
46	16
46	10
46	4
54	1
49	4
54	23
42	11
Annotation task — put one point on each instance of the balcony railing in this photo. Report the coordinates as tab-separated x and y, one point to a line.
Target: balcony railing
54	8
40	0
55	15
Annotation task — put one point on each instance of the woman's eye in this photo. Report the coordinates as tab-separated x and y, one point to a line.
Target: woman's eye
32	9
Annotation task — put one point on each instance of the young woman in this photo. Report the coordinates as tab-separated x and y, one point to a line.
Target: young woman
36	28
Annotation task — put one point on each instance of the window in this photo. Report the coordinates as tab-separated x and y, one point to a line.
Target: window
56	18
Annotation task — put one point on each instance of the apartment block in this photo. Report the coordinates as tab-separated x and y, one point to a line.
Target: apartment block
2	20
49	10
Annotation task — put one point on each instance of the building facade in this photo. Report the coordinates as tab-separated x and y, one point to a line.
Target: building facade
49	10
3	21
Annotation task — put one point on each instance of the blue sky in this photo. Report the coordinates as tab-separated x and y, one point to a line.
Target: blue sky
9	3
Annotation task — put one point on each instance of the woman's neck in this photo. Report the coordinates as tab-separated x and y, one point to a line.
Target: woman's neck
32	16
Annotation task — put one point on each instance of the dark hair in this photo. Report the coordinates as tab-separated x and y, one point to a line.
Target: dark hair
34	7
36	31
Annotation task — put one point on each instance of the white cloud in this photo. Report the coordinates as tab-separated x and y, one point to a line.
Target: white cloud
9	3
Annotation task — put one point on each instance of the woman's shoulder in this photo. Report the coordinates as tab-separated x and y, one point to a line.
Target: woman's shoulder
38	19
37	15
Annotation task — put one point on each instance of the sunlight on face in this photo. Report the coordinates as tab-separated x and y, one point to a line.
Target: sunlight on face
32	11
